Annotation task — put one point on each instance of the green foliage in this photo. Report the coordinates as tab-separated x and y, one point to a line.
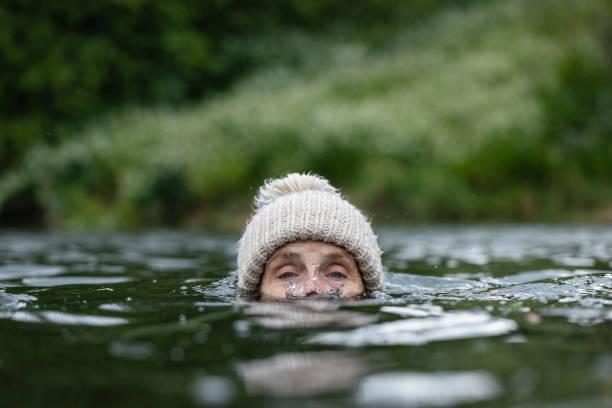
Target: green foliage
484	112
63	62
578	116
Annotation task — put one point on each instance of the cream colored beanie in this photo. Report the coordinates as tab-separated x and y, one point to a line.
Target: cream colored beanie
300	207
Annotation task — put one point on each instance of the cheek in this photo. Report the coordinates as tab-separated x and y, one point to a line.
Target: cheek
355	284
273	290
271	287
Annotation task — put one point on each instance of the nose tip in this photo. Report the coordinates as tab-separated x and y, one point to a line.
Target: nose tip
313	287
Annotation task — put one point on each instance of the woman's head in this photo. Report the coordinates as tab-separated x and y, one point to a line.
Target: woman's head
303	219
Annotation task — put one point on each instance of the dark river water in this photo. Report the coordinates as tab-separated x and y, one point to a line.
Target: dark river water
483	316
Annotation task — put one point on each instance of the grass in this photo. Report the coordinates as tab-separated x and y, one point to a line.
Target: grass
493	112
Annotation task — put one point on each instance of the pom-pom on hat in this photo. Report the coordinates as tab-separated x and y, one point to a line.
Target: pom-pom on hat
303	207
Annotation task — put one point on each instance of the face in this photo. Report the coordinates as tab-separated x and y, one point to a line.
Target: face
307	268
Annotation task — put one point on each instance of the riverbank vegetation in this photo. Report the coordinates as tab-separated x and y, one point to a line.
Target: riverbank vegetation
491	111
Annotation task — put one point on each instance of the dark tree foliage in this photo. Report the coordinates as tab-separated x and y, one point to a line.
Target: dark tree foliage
65	61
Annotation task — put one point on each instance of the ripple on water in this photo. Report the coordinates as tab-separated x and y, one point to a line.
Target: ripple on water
74	280
405	283
568	290
137	350
478	245
10	301
9	272
418	331
223	289
212	390
488	265
569	260
168	264
530	276
441	389
581	315
115	307
63	318
539	275
71	256
423	310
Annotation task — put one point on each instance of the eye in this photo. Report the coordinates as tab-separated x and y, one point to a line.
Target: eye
287	272
336	275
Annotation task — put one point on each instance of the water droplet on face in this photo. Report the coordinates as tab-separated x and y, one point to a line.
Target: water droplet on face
291	290
315	287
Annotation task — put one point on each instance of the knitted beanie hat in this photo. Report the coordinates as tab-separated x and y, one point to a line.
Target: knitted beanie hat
302	207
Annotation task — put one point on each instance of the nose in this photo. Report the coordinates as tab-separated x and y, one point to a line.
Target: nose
313	286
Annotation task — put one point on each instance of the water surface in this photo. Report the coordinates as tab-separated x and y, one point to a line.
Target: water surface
483	316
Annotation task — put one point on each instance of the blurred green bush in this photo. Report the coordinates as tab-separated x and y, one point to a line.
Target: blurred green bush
496	111
66	61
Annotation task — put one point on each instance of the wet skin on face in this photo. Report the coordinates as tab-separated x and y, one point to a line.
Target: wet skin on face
307	268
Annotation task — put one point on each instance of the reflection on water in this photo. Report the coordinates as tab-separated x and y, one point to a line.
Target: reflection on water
405	283
582	316
441	389
304	313
489	316
302	374
10	272
131	349
418	331
9	301
72	280
212	391
63	318
422	310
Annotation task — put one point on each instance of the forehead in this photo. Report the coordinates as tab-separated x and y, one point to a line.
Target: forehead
311	248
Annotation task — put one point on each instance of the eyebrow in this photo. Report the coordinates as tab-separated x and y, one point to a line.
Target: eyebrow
336	256
286	255
292	256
